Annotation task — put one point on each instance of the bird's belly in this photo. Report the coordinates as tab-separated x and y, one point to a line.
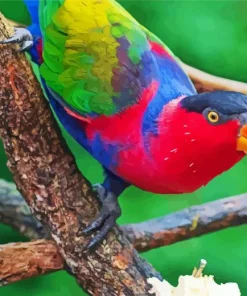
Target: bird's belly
149	174
127	157
143	173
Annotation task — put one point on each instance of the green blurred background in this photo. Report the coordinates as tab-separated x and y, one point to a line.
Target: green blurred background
209	35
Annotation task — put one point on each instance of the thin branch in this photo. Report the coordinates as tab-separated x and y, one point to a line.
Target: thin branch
188	223
178	226
19	261
154	233
205	82
15	212
46	174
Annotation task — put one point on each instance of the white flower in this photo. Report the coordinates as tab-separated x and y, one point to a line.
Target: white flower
193	285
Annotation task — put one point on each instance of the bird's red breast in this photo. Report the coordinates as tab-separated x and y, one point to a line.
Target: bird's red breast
178	159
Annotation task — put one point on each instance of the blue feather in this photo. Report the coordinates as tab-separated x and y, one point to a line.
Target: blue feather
173	84
33	9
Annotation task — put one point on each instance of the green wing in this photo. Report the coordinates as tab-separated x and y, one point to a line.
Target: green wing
97	58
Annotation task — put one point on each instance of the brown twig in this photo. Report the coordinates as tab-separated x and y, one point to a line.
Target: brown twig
178	226
19	261
50	182
205	82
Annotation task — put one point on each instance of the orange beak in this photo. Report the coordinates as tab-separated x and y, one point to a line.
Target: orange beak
242	139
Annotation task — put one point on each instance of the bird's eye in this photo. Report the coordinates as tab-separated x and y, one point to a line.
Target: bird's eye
213	116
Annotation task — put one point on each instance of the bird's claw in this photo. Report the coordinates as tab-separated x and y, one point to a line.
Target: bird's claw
21	36
105	220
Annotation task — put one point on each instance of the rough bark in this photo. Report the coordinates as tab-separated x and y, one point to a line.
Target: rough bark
19	261
46	174
178	226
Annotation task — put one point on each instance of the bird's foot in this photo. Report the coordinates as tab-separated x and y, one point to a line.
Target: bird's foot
100	191
107	217
21	36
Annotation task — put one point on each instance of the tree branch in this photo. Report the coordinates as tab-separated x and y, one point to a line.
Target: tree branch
188	223
15	212
24	260
178	226
154	233
205	82
50	182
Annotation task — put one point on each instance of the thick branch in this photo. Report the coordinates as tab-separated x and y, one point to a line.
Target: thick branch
23	260
59	196
178	226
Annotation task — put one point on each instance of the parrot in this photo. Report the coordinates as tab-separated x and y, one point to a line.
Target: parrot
123	95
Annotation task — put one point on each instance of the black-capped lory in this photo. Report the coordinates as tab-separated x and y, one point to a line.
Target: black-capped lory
122	95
